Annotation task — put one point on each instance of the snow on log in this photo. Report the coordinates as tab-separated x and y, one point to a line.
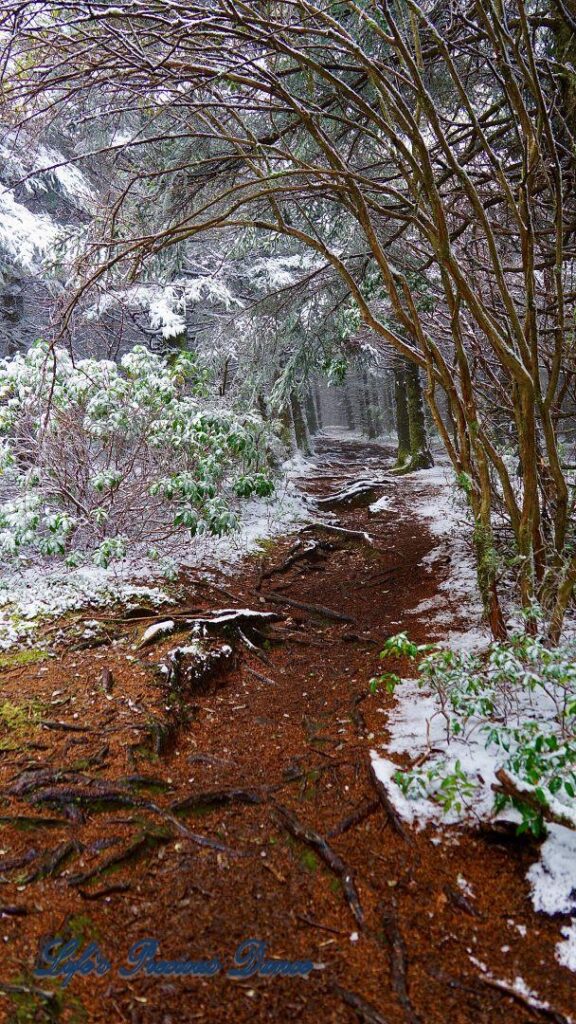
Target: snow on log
237	617
193	666
357	495
157	632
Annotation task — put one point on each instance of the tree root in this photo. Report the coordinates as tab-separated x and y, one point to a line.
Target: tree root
398	963
108	890
312	551
291	823
107	794
358	816
53	861
315	609
510	788
363	1010
477	985
137	848
393	816
217	798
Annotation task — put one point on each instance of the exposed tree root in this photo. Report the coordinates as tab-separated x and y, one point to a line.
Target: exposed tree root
393	816
137	848
358	535
356	818
398	963
315	609
312	551
108	890
507	785
478	985
217	798
53	861
328	855
363	1010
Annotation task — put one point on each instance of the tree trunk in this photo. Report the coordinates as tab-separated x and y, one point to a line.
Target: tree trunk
413	450
300	427
420	455
311	413
402	422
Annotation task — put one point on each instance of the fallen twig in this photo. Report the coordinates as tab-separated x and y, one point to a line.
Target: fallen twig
322	927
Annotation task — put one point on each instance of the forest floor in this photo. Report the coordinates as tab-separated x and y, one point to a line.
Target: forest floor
245	808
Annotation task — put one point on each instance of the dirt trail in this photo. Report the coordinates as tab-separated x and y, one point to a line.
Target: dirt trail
272	758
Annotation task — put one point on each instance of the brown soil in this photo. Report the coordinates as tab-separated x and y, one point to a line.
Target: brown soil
299	741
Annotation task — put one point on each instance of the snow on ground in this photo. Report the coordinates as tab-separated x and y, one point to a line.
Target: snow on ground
417	727
443	514
32	593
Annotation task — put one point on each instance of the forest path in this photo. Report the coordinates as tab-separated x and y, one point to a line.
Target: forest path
272	758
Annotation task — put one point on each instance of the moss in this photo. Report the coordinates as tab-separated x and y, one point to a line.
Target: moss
30	1004
17	721
81	927
27	656
266	545
309	860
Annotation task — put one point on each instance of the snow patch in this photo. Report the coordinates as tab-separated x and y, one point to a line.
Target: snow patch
25	236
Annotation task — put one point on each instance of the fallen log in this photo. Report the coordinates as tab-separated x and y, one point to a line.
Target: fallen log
359	535
356	495
305	606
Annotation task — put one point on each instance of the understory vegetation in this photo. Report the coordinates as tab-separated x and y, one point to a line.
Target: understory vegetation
98	455
501	729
